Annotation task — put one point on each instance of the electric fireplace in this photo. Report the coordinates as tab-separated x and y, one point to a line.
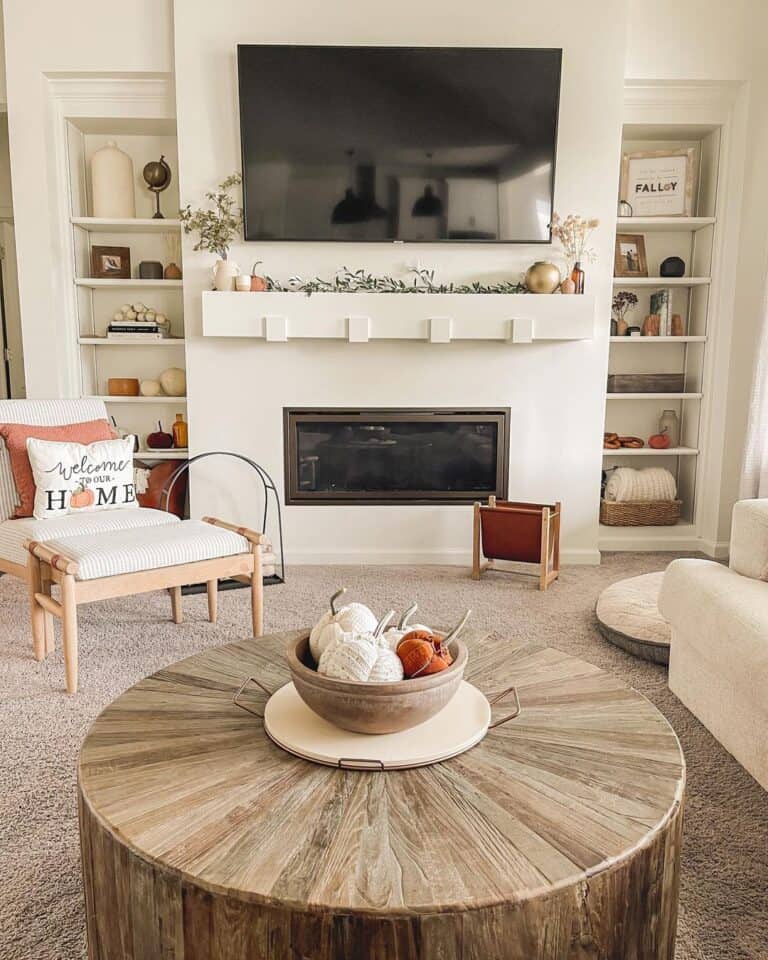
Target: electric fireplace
395	455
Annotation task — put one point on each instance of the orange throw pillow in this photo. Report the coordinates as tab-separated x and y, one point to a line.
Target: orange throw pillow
15	436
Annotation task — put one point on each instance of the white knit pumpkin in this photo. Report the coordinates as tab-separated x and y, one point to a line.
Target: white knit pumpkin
351	618
363	657
394	635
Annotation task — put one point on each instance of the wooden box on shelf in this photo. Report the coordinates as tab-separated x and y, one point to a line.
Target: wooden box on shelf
646	382
640	513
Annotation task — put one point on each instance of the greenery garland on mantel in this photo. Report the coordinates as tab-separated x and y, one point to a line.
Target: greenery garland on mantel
360	281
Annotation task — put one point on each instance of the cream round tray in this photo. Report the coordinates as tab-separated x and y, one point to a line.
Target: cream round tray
461	724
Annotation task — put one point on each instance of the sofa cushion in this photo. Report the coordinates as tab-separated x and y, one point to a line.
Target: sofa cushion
132	550
749	539
16	436
14	533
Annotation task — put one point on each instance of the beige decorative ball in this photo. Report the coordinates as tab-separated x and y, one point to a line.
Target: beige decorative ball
174	382
542	277
150	388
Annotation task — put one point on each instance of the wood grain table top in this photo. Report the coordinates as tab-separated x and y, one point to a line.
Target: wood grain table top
586	775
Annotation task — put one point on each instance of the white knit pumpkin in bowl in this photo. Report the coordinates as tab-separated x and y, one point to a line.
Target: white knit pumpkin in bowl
351	618
362	657
394	635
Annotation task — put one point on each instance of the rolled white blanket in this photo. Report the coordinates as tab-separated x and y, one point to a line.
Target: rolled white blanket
651	483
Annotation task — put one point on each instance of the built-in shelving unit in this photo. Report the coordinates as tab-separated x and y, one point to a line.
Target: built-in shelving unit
95	283
693	239
150	401
663	224
135	225
148	239
106	342
661	281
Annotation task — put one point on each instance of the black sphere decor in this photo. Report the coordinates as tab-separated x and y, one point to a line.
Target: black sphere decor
672	267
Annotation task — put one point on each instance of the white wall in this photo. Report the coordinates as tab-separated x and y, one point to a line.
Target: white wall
44	39
556	391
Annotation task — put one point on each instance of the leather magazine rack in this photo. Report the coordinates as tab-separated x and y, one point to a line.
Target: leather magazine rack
519	533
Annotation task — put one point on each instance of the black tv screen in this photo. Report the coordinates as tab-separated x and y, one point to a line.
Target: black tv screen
398	143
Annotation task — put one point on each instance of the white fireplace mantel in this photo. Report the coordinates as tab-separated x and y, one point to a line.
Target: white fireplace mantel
434	317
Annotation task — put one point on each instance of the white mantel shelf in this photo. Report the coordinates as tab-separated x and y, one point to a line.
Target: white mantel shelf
432	318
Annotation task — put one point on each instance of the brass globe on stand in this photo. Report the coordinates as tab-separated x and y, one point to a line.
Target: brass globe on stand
157	175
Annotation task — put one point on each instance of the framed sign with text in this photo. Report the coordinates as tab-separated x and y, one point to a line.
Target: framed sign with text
659	183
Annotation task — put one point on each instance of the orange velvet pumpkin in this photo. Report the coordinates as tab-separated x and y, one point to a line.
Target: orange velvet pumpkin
422	653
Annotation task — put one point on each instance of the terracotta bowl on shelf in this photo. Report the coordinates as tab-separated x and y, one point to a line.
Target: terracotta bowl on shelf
123	387
374	707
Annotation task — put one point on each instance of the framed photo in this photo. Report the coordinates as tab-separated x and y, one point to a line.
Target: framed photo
629	258
111	263
659	183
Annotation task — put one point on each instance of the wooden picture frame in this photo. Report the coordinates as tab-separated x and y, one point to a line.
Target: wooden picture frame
629	258
659	183
111	263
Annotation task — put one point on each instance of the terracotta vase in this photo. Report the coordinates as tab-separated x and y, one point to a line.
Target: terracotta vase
621	328
568	286
173	272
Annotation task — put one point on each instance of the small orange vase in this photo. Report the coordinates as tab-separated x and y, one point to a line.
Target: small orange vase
180	432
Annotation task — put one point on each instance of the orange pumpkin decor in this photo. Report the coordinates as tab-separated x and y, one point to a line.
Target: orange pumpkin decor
82	497
423	653
659	441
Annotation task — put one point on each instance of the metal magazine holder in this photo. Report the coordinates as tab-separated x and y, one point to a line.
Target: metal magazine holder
268	487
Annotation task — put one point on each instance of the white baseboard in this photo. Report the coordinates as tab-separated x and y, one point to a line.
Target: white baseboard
386	557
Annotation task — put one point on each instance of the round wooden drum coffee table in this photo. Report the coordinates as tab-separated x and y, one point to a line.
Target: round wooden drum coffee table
558	836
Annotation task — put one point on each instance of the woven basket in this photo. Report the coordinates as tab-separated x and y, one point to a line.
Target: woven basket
640	513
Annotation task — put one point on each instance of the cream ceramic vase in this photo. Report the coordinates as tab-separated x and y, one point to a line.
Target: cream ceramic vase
112	192
224	273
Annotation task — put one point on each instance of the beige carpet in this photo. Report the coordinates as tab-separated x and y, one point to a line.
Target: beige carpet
724	896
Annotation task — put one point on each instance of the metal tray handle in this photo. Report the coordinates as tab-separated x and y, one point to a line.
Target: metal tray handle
242	687
509	716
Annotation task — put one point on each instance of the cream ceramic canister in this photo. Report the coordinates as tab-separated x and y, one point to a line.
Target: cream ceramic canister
542	277
112	194
224	274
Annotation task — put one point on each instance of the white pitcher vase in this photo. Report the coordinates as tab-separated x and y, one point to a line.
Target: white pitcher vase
224	273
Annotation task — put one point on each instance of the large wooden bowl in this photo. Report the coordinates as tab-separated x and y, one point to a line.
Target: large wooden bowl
374	707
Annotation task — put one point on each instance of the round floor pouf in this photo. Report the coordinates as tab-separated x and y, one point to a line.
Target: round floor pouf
628	615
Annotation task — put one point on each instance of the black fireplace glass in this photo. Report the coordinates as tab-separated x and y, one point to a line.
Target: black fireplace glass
395	457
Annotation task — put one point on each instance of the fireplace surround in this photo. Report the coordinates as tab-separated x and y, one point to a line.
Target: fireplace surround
395	455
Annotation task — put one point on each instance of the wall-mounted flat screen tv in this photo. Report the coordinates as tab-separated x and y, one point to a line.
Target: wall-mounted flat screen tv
398	143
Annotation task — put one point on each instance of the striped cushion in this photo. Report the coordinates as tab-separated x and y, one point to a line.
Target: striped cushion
40	413
149	548
14	533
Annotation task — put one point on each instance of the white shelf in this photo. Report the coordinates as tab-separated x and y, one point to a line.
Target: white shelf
658	339
175	454
661	281
663	224
132	225
98	284
683	536
650	452
435	318
106	342
653	396
141	399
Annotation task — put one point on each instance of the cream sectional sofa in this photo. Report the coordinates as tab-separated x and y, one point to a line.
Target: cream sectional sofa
718	663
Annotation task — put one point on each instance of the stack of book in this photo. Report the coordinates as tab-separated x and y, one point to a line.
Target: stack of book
136	329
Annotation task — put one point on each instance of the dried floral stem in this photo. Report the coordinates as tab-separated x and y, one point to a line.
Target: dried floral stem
574	233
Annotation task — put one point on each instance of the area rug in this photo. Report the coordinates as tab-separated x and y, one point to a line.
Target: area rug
724	888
